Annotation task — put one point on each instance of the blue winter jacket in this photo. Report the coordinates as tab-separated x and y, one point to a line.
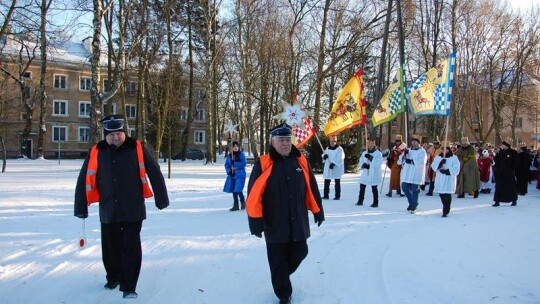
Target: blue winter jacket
235	178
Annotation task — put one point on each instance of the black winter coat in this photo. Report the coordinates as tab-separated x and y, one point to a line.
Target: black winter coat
119	185
506	162
285	215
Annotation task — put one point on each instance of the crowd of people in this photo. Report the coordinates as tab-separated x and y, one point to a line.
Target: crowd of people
282	188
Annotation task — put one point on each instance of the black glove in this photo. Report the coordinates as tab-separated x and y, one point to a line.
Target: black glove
405	153
256	226
231	174
319	218
409	161
161	206
369	156
325	156
443	161
82	215
445	171
332	165
365	166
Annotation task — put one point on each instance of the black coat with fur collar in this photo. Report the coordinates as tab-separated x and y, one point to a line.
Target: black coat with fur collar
120	188
285	215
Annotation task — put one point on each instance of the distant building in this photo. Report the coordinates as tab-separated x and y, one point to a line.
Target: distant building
68	85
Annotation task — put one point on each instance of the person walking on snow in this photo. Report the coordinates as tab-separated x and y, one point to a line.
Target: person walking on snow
395	169
370	173
506	161
281	190
447	168
235	166
115	174
413	173
469	176
334	168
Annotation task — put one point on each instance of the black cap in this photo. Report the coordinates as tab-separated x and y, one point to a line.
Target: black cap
235	143
281	130
506	144
113	123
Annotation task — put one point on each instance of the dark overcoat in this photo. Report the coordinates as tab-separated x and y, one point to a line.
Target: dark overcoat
506	162
119	184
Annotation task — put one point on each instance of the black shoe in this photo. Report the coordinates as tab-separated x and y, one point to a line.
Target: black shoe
488	191
445	215
461	196
325	197
336	198
476	194
402	195
111	285
514	203
496	204
423	187
130	295
409	208
285	300
359	203
389	194
374	205
429	194
234	208
413	211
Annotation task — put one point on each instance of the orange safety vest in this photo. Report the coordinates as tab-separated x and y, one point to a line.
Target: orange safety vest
92	192
254	205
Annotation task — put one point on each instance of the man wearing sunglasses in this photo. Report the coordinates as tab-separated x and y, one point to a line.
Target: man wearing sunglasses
115	174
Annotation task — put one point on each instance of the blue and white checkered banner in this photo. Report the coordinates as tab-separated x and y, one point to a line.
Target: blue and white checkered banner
431	93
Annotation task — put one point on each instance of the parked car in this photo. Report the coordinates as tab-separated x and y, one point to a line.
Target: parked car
192	153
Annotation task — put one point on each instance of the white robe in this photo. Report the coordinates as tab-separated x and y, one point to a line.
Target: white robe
414	173
373	175
446	183
337	157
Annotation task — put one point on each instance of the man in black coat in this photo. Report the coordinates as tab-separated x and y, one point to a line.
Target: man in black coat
113	175
506	161
523	170
281	190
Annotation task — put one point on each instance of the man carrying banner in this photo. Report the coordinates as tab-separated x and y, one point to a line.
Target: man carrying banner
395	169
371	175
334	167
413	173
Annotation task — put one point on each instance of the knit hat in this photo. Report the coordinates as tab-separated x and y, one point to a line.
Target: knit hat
113	123
235	143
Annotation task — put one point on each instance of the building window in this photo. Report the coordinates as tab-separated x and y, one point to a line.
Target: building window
84	108
59	134
200	115
26	75
131	88
183	114
107	85
199	93
131	132
60	108
131	111
85	84
84	134
519	122
200	137
60	82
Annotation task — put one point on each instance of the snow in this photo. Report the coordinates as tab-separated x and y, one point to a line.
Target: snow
196	251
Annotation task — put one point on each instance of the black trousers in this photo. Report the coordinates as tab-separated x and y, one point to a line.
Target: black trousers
122	253
446	200
337	187
374	191
284	259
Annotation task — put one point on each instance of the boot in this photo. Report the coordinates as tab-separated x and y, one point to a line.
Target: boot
461	196
375	197
476	194
431	187
234	207
326	190
375	204
389	194
496	204
399	193
360	202
242	201
337	189
514	203
361	195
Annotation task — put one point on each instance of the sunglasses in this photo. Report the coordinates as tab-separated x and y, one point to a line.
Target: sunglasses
113	124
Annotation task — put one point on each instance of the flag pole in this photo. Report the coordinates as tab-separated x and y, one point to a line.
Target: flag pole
320	144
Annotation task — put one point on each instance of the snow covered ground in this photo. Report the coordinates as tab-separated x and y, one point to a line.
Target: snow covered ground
196	251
